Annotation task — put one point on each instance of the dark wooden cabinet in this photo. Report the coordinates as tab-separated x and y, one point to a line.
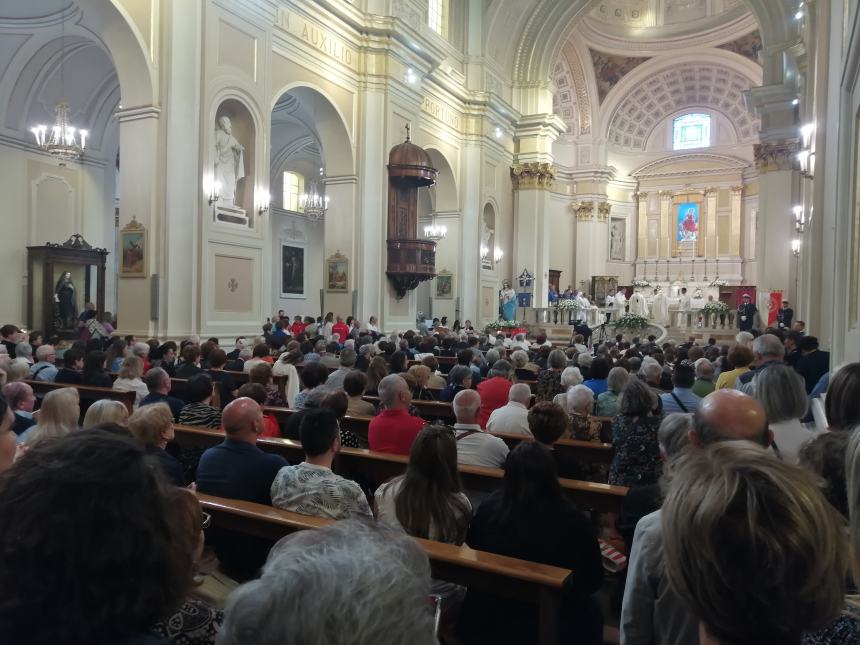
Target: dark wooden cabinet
61	278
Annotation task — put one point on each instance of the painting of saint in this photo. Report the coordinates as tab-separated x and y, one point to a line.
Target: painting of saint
293	271
688	222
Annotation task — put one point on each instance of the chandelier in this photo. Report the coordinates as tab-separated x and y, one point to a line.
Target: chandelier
313	202
64	142
435	231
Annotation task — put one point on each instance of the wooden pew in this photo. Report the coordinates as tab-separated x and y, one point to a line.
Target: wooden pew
528	582
240	377
429	410
357	425
368	466
586	451
178	387
87	393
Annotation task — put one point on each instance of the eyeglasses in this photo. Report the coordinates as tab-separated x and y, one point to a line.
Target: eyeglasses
207	522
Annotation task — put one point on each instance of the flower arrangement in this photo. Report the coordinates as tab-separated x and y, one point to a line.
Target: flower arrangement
567	304
715	307
631	321
641	284
504	325
718	282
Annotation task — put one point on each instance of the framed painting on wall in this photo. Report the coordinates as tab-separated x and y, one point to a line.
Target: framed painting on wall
132	250
445	284
337	273
292	271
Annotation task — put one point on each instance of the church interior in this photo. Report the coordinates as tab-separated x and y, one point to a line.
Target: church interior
336	181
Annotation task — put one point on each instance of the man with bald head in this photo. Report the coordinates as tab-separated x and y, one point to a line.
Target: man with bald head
237	468
474	446
651	611
393	430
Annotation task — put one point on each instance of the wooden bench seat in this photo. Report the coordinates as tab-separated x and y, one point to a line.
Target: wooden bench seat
87	393
430	410
528	582
368	466
586	451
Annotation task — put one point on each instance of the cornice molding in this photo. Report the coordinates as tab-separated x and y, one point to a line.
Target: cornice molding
652	169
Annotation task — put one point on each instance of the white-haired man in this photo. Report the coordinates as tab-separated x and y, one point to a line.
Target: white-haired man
393	430
767	350
513	418
474	446
44	368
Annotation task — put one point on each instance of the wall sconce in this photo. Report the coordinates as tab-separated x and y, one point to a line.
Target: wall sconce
484	251
806	156
263	200
213	190
799	219
795	247
497	255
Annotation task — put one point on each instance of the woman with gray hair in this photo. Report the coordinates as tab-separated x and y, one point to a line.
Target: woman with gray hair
351	583
781	392
569	377
607	402
549	381
520	361
636	459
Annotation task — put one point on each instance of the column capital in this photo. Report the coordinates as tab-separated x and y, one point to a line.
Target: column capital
640	196
775	155
532	175
666	195
737	190
603	209
710	190
584	211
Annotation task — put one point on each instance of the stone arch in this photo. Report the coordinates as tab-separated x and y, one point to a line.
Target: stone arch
444	196
332	131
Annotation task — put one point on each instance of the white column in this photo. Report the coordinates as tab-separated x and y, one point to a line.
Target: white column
531	228
470	269
340	236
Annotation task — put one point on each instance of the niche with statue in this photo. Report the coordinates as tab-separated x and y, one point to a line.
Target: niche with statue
231	191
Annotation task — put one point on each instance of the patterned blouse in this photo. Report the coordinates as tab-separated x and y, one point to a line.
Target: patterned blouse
548	385
194	623
315	490
586	428
201	415
637	454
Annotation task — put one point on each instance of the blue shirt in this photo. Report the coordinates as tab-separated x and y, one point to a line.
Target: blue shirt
43	371
686	396
172	402
238	470
596	385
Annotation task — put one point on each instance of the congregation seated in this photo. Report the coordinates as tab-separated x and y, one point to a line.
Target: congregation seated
44	369
152	426
785	583
636	457
24	354
494	390
435	381
262	373
73	364
813	363
549	380
354	384
113	530
825	457
314	375
513	417
421	374
377	370
739	358
768	350
459	378
580	404
549	422
681	398
652	611
393	430
198	411
116	353
158	383
105	411
9	447
704	383
780	391
311	488
20	401
58	416
337	566
607	401
347	364
129	379
475	446
528	518
94	374
229	389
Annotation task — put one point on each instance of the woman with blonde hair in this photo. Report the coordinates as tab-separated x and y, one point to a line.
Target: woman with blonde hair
152	426
105	411
421	374
129	379
376	371
57	417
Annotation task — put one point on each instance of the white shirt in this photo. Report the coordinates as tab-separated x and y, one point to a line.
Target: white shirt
135	384
250	363
316	490
385	499
685	302
513	418
479	448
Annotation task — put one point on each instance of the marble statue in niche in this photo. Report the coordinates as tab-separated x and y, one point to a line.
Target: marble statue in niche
229	161
616	240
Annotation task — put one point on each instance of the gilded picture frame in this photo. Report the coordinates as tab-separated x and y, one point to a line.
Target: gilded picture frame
133	250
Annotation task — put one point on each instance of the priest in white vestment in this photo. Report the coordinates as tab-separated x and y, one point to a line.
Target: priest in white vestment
619	304
638	305
685	305
660	308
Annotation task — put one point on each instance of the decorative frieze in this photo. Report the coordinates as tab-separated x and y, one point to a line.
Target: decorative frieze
532	175
775	155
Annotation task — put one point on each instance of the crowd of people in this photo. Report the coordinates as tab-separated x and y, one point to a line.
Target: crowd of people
742	462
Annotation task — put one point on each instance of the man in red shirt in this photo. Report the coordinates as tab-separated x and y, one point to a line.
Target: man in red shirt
393	430
340	329
494	390
297	327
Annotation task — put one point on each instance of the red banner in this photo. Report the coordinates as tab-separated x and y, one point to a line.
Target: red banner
773	306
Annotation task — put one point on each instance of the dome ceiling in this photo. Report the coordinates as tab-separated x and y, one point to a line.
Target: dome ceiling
681	87
669	17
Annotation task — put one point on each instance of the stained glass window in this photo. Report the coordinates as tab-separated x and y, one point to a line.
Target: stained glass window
691	131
